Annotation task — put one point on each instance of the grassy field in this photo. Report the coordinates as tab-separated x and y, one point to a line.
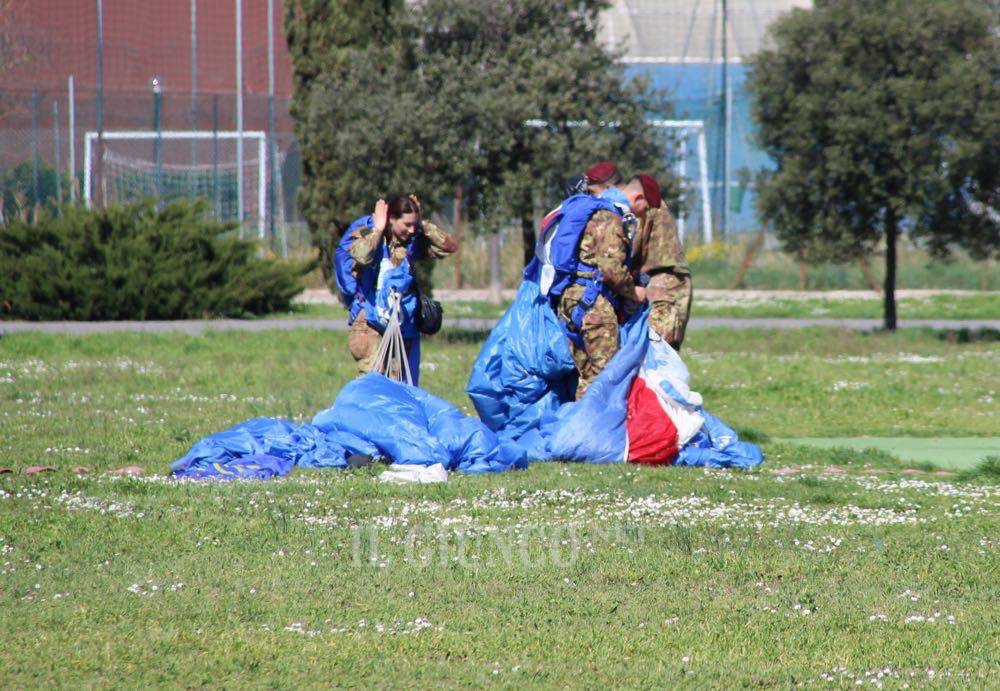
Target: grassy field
826	567
963	306
717	265
945	306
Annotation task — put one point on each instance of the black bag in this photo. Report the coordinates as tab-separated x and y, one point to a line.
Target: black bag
429	316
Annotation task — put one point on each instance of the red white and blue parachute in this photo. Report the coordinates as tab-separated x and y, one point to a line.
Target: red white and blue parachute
640	409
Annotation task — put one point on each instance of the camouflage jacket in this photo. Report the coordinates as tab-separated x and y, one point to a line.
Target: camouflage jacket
604	244
432	243
656	246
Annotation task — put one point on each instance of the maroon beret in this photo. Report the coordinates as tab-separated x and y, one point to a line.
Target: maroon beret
651	190
601	172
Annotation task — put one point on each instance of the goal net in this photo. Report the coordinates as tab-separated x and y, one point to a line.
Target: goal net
170	165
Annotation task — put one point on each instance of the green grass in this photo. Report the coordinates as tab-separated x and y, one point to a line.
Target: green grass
716	265
984	306
555	576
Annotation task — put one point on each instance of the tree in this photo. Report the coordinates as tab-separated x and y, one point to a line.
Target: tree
539	62
883	117
329	41
13	46
439	96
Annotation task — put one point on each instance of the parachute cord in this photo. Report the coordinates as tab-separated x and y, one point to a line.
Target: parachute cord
390	359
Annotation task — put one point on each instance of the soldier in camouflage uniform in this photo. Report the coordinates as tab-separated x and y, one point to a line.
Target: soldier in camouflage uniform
604	244
657	252
395	223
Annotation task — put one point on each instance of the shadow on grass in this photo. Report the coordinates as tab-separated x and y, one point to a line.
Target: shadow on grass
841	456
963	336
987	471
752	435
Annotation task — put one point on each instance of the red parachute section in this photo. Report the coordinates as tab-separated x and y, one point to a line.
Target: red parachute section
652	436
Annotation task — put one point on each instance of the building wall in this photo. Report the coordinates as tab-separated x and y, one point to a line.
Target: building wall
143	39
678	46
147	38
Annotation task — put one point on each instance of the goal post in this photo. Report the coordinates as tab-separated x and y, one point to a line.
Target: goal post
138	164
687	128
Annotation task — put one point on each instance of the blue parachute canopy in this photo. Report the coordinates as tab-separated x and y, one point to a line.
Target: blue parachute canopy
372	415
524	370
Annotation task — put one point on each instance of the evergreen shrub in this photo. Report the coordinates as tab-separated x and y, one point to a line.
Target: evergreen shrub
137	262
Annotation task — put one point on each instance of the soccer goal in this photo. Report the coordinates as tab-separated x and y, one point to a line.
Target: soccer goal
227	168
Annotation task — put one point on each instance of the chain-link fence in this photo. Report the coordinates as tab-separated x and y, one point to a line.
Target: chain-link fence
103	104
696	51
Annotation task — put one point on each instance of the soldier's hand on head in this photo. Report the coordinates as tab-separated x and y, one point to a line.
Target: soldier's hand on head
413	198
381	215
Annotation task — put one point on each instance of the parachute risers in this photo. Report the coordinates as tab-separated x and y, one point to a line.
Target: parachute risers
557	249
391	358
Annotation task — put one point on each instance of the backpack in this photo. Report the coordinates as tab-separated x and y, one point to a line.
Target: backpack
558	246
343	263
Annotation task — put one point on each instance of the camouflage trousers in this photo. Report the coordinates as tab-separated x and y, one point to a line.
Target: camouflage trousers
363	342
599	333
669	296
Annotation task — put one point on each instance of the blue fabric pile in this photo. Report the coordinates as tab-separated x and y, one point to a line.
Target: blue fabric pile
373	416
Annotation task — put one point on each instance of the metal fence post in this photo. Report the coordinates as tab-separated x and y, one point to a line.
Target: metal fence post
99	172
194	85
158	142
72	142
271	148
55	136
34	147
216	192
239	113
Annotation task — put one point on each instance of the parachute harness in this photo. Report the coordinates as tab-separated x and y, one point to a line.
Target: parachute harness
391	359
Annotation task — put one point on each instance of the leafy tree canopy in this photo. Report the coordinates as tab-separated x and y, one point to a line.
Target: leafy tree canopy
883	117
